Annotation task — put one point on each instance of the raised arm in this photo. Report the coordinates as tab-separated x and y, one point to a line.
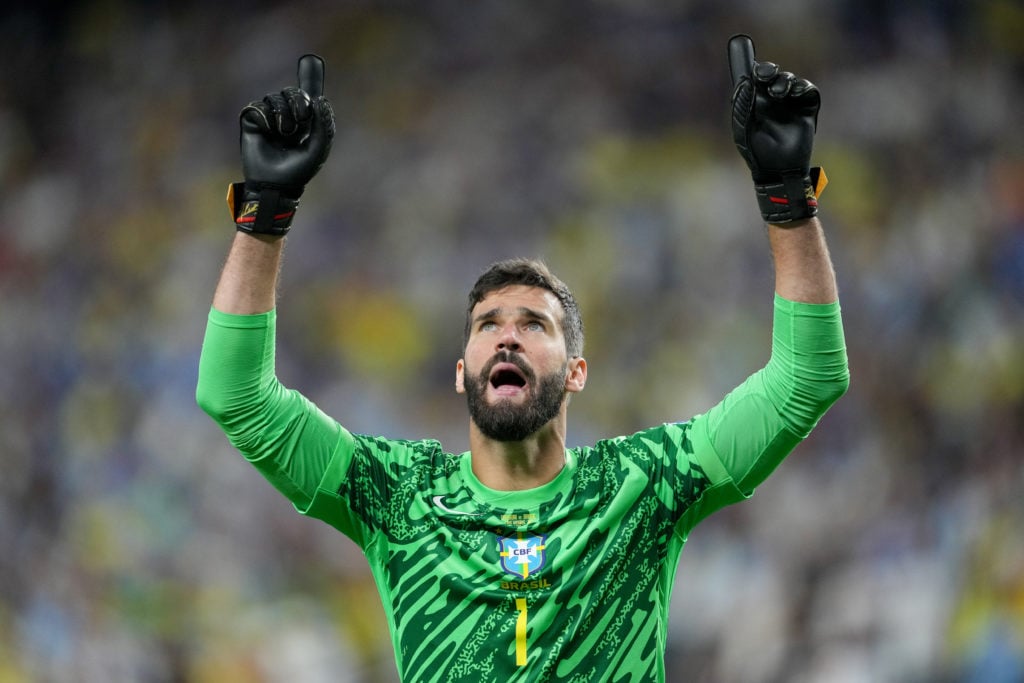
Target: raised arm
774	118
285	139
803	267
248	282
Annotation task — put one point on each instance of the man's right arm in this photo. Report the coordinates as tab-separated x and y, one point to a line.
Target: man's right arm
287	438
248	282
285	140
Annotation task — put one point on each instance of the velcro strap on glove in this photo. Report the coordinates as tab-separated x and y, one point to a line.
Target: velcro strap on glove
793	198
263	212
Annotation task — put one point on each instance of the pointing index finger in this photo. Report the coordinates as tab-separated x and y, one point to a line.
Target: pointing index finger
311	75
741	57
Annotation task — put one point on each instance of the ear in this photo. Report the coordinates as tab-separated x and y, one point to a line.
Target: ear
460	377
576	375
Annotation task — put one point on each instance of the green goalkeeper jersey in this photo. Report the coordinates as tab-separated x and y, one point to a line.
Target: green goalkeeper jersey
566	582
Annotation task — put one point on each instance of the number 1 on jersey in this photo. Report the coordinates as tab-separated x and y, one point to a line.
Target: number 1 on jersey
521	632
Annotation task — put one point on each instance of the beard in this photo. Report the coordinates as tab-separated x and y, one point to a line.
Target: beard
505	420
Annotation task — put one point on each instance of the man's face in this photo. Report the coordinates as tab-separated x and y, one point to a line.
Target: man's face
515	372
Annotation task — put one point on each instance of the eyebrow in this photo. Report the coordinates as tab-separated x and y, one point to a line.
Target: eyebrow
524	311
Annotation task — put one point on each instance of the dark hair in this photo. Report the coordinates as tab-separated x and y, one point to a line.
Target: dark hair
531	273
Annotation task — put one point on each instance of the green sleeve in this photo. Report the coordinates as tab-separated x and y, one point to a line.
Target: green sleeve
287	438
760	422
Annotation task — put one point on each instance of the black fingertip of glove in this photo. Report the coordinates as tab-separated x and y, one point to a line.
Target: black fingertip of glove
311	68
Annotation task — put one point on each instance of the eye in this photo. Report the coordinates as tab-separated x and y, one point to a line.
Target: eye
488	326
534	326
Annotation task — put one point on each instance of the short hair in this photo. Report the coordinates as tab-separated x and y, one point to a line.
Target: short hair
530	273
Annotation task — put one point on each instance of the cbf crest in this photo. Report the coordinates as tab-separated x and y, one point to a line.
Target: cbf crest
522	554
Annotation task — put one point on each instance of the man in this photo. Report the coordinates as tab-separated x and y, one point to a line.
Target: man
524	559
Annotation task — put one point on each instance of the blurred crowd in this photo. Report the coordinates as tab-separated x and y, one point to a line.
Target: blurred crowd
136	545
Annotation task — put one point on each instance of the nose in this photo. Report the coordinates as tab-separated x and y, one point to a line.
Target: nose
508	340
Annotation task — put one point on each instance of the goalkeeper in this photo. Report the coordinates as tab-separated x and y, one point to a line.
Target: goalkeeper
523	559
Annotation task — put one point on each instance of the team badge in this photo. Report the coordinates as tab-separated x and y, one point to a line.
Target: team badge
522	554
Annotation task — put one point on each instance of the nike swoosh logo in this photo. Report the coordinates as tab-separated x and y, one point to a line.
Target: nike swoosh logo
439	502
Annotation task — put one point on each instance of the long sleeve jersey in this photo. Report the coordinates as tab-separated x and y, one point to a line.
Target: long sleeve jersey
570	581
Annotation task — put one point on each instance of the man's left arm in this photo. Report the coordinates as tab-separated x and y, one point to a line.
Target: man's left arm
774	119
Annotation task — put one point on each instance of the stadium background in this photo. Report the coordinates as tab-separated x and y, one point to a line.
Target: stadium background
135	544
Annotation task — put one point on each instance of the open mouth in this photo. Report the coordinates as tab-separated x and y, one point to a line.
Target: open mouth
507	376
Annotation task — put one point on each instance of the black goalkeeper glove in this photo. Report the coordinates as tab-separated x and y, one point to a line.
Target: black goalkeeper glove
774	117
285	140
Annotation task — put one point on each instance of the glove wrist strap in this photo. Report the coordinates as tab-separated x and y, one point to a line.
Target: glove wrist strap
791	197
262	210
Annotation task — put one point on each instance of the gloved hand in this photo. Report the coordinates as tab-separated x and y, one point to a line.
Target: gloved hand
285	140
774	118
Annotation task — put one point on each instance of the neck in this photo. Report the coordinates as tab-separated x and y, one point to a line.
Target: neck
518	465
